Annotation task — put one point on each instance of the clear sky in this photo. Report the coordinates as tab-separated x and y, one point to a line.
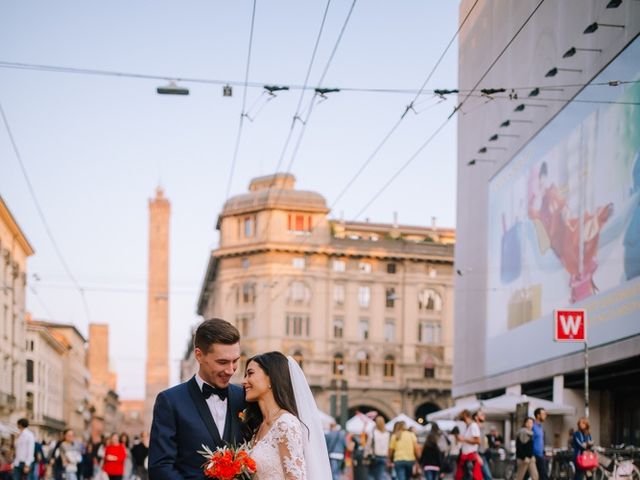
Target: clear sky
96	147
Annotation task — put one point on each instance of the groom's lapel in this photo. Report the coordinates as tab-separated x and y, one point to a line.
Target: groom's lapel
203	410
232	424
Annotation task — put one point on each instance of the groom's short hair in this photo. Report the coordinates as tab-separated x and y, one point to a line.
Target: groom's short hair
215	330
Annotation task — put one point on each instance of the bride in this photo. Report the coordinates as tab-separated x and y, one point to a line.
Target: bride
282	416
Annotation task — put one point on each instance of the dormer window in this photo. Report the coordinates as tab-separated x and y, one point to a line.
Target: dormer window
297	222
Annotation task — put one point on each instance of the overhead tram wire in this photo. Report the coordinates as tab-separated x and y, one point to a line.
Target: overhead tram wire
386	138
397	124
244	104
42	215
305	122
442	125
296	115
322	77
261	85
459	106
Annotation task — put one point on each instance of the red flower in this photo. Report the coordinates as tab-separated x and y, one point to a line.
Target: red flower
228	463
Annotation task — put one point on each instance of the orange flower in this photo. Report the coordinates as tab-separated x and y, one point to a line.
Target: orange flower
228	463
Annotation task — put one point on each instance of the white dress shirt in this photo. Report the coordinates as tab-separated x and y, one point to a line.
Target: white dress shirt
217	407
25	448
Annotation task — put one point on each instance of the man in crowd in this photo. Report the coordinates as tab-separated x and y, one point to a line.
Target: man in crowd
139	452
25	449
538	442
479	418
336	445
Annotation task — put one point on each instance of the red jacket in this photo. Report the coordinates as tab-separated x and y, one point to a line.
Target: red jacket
111	466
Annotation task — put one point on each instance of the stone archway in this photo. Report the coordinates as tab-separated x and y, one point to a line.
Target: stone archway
425	409
365	405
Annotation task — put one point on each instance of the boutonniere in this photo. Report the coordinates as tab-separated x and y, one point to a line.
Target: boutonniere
242	415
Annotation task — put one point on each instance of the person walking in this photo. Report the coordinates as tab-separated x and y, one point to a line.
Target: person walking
403	451
139	453
378	447
524	451
336	445
357	448
128	462
85	470
454	450
581	442
431	458
115	455
25	446
483	450
540	416
469	461
70	455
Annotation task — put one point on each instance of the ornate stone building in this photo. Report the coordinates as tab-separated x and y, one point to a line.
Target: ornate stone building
45	381
14	251
74	382
366	308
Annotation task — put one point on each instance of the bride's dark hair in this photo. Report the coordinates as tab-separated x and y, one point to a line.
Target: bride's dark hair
276	367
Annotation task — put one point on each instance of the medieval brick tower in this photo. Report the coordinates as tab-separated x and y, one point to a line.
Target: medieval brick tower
157	369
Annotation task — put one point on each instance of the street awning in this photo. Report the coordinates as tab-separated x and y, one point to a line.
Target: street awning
452	413
410	422
510	401
6	430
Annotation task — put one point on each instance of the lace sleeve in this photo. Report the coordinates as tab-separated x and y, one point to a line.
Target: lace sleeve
290	448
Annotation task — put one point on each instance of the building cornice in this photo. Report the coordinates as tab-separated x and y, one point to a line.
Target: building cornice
14	228
59	325
401	250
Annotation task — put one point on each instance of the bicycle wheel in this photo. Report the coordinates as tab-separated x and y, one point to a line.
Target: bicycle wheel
566	471
635	475
600	474
509	471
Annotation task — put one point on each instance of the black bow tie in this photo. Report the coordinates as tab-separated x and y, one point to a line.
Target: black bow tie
208	390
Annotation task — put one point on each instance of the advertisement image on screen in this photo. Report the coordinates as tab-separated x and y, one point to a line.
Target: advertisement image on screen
564	225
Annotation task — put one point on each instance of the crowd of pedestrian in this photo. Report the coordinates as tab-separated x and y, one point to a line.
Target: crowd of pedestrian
72	458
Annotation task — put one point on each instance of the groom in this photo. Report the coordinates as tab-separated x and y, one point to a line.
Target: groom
204	410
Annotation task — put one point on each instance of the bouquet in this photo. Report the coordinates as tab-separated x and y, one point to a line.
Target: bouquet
226	463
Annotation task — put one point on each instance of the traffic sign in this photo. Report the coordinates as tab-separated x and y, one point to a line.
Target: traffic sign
570	325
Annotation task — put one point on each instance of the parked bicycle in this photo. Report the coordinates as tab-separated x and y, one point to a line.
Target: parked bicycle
616	464
562	467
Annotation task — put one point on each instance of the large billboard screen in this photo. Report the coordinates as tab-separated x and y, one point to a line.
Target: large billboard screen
564	225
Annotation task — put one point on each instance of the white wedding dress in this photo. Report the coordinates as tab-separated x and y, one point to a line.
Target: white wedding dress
279	455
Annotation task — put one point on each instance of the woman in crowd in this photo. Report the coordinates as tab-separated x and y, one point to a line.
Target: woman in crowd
379	450
128	463
403	450
70	455
524	451
581	442
115	455
431	457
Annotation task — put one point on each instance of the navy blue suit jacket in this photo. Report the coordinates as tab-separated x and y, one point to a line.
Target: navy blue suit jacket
182	423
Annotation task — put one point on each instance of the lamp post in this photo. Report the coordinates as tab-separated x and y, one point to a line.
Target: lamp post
339	400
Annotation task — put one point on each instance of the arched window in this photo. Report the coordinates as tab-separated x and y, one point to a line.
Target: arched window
248	293
298	357
338	364
363	363
389	366
429	299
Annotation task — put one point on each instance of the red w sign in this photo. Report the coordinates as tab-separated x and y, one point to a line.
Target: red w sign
570	325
